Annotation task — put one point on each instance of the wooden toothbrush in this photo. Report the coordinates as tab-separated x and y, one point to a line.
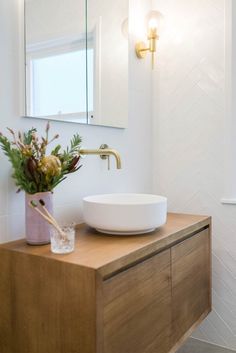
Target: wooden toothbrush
48	217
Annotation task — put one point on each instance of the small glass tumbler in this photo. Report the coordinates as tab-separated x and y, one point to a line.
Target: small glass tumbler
63	243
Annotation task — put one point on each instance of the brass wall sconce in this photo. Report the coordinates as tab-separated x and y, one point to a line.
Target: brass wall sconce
153	23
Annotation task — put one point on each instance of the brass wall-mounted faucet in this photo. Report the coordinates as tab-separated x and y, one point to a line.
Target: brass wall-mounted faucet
104	152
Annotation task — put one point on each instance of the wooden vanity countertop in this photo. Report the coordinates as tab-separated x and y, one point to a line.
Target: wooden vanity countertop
109	254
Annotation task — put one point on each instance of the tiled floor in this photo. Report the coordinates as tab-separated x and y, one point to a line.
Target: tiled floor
195	346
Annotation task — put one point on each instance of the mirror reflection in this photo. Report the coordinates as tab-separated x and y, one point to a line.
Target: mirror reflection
77	61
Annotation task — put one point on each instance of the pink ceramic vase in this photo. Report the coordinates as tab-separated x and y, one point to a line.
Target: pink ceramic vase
38	230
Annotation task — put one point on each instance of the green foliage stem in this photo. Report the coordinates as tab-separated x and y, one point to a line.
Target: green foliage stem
27	155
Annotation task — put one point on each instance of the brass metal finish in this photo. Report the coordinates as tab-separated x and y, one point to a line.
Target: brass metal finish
141	49
152	37
105	157
103	152
104	147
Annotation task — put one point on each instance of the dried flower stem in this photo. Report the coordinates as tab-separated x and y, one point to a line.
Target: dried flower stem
48	170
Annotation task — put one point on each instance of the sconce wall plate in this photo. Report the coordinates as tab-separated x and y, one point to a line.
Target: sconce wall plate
141	50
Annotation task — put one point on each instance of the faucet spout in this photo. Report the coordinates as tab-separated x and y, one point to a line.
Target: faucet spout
104	152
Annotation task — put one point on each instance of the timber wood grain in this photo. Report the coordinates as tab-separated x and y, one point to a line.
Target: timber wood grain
191	286
46	306
109	254
142	294
137	308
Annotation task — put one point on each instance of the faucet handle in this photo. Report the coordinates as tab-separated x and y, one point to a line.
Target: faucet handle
103	147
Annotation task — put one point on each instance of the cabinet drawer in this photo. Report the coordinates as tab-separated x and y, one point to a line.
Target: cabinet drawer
137	308
191	283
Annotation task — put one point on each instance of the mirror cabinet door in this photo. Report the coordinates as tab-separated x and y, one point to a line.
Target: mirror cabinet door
107	31
76	56
55	35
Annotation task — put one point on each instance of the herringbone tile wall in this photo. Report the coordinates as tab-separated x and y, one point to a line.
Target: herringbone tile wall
188	130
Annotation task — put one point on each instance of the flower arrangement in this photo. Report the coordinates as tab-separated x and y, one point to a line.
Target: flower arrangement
33	169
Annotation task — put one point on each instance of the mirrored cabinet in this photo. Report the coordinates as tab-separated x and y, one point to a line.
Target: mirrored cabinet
76	61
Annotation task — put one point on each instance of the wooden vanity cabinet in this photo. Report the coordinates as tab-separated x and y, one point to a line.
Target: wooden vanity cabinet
143	294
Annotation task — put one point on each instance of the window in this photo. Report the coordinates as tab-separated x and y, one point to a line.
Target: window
57	80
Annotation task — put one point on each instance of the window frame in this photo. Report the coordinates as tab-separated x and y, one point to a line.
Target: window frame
47	49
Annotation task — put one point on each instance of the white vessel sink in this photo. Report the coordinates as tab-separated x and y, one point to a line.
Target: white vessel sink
125	214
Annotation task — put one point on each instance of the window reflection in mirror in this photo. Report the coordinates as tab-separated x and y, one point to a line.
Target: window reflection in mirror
56	66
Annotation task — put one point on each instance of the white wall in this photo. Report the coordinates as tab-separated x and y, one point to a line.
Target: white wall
230	109
189	121
133	143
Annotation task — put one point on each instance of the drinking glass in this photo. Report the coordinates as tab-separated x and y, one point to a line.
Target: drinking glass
63	243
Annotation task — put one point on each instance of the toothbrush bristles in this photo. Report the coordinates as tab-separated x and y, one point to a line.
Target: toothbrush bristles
42	203
34	203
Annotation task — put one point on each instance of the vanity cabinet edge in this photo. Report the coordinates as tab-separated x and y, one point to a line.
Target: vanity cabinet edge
191	262
135	257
